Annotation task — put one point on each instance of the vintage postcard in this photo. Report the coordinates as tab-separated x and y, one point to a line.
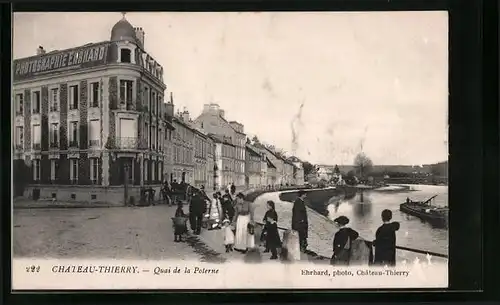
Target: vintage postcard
227	150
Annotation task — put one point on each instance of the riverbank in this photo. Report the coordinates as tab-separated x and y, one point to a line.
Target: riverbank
122	232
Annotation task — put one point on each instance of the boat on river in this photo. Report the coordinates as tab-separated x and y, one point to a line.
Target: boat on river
426	211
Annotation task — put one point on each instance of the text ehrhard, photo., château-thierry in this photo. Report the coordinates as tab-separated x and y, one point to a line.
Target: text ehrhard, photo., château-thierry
85	115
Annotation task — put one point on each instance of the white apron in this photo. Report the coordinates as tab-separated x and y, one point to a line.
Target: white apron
242	238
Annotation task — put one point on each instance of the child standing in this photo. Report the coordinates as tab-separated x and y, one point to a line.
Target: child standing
228	235
179	220
251	236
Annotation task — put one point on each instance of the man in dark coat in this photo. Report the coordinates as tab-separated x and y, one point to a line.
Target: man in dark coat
233	189
203	193
385	240
197	208
227	205
299	219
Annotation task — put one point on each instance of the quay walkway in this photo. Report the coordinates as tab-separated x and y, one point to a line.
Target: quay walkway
321	228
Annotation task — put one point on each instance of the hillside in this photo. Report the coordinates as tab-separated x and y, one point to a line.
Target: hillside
439	169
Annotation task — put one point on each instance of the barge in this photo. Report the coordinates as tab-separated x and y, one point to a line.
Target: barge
426	211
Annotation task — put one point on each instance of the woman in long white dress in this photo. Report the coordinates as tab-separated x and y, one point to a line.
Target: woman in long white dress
243	216
214	213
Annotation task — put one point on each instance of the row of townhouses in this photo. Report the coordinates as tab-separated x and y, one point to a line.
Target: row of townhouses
90	121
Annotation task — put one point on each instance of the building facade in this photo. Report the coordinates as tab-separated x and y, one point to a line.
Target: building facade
168	145
278	163
201	147
263	169
212	120
225	152
183	147
87	120
289	170
299	173
252	167
271	173
211	165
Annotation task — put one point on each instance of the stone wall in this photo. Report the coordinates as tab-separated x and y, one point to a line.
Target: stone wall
90	194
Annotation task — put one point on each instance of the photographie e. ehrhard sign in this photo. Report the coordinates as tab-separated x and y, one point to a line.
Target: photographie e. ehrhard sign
82	57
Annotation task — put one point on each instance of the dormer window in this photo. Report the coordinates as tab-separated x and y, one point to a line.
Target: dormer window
125	55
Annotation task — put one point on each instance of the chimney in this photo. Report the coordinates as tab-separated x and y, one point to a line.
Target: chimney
139	33
40	51
206	108
169	109
185	116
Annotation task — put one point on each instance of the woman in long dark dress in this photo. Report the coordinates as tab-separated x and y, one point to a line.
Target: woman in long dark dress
342	242
272	236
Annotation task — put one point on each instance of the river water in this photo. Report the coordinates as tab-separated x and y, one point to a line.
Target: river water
364	215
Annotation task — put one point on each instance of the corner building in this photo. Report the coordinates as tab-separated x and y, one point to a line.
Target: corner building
89	119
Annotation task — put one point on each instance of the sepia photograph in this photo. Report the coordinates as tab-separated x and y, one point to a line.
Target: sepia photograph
230	150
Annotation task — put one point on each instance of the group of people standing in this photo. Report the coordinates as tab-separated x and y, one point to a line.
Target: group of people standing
384	243
235	216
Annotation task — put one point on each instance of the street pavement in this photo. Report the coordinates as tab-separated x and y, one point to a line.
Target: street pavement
113	233
106	233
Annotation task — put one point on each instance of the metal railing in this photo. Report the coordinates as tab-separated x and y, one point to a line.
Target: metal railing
18	147
370	243
130	143
54	144
37	146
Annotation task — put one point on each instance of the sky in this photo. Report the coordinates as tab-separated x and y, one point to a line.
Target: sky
323	86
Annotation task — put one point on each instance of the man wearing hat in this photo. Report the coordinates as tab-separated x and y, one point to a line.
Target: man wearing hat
299	219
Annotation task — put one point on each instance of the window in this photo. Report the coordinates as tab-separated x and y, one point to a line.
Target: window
126	91
94	94
159	104
153	102
73	97
153	138
148	135
146	98
54	99
19	104
19	137
94	133
36	170
160	138
73	134
54	135
73	170
94	170
36	102
125	55
36	136
54	169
